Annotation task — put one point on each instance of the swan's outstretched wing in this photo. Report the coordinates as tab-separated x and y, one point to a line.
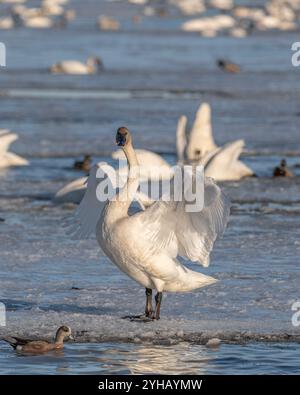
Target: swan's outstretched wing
83	223
181	141
201	139
169	227
225	163
6	139
88	213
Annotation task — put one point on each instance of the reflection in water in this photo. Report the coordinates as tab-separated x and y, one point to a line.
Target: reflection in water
183	358
158	359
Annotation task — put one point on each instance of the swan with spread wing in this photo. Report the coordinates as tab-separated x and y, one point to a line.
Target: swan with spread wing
8	159
146	245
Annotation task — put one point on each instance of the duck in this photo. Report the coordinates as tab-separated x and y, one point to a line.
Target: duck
145	245
40	346
282	170
84	165
8	159
92	66
220	163
229	67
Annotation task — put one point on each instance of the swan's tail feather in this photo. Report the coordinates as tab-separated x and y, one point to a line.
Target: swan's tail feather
189	280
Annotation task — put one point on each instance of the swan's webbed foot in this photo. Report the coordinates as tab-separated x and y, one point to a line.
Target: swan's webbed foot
150	314
138	318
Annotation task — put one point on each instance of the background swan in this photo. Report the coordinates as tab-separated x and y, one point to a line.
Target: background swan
221	163
146	244
8	159
201	141
224	164
92	66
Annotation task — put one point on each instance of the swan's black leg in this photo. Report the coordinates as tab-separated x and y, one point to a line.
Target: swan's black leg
149	308
149	313
158	299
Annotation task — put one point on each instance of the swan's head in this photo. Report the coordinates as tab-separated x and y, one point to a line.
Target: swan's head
95	63
123	137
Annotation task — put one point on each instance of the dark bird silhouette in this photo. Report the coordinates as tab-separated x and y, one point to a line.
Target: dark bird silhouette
282	170
228	66
84	165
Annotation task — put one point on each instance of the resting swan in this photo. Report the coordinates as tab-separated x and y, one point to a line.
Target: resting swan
92	66
145	245
221	163
8	159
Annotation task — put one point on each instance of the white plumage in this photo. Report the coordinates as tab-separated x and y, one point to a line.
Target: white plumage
146	245
8	159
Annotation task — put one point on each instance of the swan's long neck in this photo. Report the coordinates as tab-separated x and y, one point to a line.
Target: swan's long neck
126	195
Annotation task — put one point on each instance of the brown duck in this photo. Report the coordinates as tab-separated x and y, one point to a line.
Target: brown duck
40	346
282	170
228	66
84	164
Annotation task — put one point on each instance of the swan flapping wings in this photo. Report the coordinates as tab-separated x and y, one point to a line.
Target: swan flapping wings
88	213
170	227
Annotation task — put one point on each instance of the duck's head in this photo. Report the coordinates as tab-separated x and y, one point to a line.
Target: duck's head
123	137
87	158
64	332
283	163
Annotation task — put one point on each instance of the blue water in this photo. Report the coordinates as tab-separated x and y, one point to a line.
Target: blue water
153	74
115	358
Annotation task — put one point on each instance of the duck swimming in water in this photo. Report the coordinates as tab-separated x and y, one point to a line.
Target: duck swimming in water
146	244
40	346
282	170
84	164
229	67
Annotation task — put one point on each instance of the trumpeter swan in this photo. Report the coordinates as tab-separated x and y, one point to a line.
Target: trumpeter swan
221	163
8	159
146	244
92	66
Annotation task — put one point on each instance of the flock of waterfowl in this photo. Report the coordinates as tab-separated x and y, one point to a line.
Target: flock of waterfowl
146	245
213	16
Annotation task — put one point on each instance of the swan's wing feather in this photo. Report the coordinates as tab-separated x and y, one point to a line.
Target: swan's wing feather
197	231
6	139
228	154
168	226
181	141
84	221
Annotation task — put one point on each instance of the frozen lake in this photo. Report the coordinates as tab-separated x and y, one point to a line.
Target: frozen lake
150	79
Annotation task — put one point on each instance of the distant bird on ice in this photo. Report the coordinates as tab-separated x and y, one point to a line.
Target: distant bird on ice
8	159
145	245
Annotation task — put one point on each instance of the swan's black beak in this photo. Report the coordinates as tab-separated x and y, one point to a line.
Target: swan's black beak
120	139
